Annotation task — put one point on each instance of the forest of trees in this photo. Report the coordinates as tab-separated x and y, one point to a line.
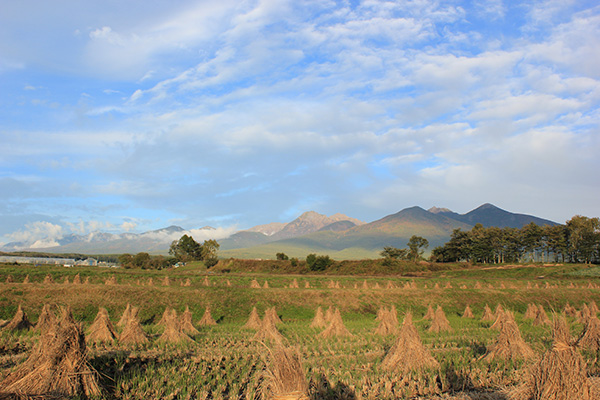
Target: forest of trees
578	241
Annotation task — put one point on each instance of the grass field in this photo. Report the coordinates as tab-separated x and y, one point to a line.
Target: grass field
224	362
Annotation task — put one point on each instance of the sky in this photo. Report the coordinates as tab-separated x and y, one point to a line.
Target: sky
129	116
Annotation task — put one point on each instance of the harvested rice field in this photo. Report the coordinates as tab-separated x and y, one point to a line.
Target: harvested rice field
526	332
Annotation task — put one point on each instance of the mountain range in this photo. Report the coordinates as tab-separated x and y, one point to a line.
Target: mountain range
339	236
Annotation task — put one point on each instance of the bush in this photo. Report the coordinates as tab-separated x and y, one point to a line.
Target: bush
318	263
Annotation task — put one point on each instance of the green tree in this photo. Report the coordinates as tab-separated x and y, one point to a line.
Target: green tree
282	256
125	260
186	249
555	242
141	260
393	253
583	238
417	245
321	263
209	251
310	260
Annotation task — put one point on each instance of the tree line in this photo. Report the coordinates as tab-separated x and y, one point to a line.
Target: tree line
577	241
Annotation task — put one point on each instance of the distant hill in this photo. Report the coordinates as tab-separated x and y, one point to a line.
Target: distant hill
367	240
490	215
307	223
337	235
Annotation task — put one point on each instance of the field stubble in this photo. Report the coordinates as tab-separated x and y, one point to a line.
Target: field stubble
223	362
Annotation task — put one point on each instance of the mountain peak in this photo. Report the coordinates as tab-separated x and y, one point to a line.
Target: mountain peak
437	210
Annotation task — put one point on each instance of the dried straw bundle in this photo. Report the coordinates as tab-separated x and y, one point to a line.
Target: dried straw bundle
173	332
254	284
336	326
388	322
46	318
268	330
206	282
111	281
133	332
57	366
125	317
468	312
26	280
48	279
329	314
531	312
169	311
488	315
18	322
150	282
187	283
390	285
590	337
166	281
284	376
541	318
187	325
228	283
66	280
274	315
560	374
500	317
266	285
294	284
9	279
393	315
593	308
307	285
584	315
77	280
253	320
101	330
429	314
365	285
448	285
331	285
569	310
207	318
319	320
509	344
87	280
408	352
499	310
440	323
477	285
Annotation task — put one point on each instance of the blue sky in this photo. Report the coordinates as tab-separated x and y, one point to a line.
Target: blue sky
135	115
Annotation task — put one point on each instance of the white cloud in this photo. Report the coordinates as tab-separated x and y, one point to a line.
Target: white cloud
38	234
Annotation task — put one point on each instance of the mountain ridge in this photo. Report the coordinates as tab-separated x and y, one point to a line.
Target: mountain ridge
310	232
